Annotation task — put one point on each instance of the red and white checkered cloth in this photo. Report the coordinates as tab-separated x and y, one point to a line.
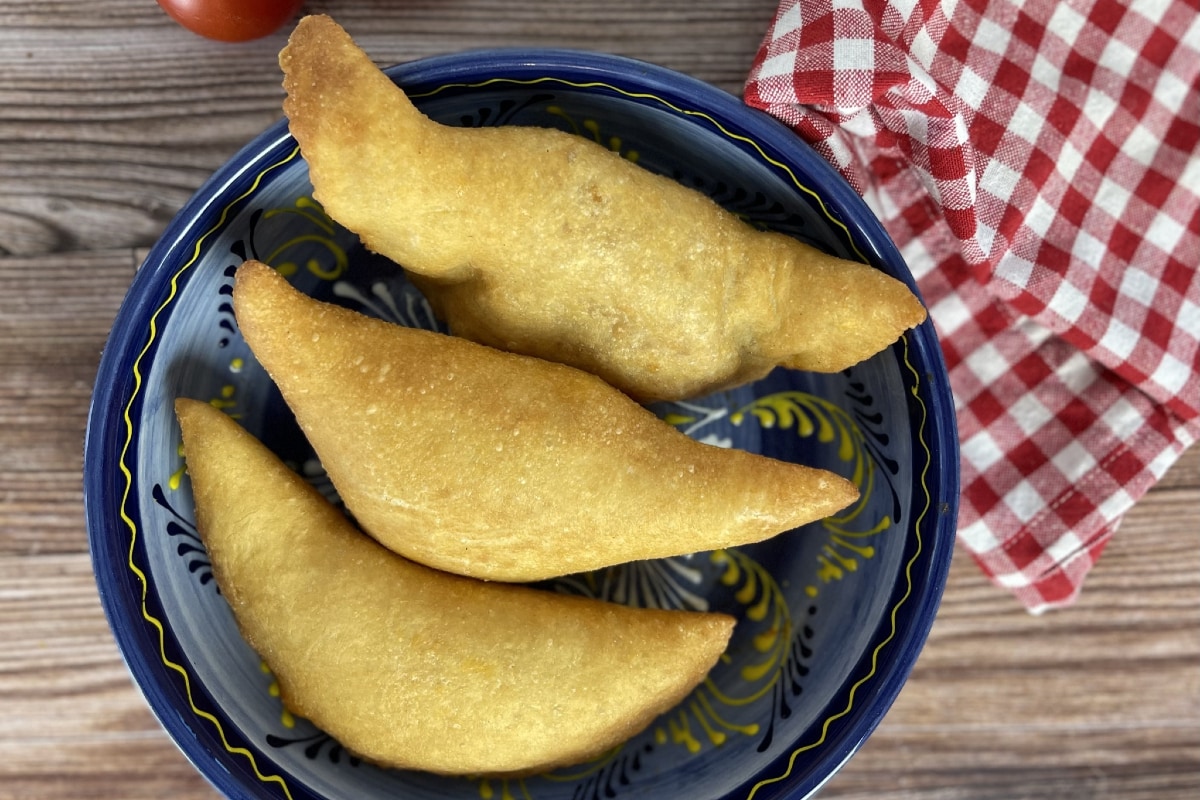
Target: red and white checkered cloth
1038	163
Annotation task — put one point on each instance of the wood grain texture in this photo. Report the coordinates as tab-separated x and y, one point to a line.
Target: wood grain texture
111	116
1101	700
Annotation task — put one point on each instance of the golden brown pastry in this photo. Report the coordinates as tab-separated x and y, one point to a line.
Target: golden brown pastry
410	667
502	466
544	243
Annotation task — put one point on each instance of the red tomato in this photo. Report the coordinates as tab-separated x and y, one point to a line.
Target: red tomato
231	20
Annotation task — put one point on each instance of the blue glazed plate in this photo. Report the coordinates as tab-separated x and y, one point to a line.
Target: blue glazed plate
831	616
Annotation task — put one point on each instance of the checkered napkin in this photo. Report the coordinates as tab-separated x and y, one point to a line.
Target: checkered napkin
1038	163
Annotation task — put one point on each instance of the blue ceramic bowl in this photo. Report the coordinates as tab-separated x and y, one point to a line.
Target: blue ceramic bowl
831	617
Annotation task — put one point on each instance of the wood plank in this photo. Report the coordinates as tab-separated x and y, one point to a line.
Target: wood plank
1184	472
130	766
63	677
54	319
112	115
73	725
1082	703
715	41
58	309
1030	764
1100	700
68	683
93	155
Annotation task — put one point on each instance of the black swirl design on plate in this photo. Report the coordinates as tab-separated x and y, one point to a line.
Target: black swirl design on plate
502	113
315	746
871	422
790	684
188	546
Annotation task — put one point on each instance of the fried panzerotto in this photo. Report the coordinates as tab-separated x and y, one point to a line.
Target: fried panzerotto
414	668
502	466
545	243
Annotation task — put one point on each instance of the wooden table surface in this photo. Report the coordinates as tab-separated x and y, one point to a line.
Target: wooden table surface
111	116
